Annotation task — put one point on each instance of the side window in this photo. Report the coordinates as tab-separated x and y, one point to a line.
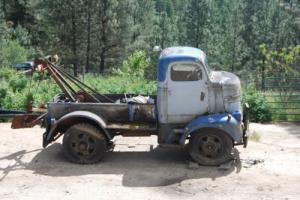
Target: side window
186	72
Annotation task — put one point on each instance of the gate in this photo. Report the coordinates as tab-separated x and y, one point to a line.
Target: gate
283	97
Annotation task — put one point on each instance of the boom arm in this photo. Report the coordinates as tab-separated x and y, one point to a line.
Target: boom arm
67	84
64	80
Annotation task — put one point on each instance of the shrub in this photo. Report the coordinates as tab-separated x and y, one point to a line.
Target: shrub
12	53
18	83
255	137
3	93
6	73
259	109
120	84
28	98
135	65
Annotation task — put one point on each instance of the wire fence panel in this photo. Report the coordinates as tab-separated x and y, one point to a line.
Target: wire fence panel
283	97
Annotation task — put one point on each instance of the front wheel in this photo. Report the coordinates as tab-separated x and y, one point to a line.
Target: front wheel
210	147
85	144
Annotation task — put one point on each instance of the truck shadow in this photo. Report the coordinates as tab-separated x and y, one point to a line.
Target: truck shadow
158	167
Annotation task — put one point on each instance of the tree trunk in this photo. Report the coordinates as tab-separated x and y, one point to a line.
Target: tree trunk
74	40
4	8
102	62
103	38
234	42
88	47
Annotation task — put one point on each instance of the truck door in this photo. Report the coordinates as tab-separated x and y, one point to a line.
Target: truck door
187	91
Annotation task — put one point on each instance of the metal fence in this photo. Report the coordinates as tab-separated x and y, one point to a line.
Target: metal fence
283	96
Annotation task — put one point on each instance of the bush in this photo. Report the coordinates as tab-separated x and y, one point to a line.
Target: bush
16	90
120	84
13	52
135	65
17	84
3	93
259	109
6	73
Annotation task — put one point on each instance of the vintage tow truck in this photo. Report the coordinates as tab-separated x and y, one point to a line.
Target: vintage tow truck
193	103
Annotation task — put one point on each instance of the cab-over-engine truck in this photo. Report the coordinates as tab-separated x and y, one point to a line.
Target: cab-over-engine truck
193	103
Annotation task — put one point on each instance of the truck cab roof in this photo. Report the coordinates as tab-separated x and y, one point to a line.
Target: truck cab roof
177	54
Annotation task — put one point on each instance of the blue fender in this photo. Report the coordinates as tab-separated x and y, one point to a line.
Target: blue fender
223	121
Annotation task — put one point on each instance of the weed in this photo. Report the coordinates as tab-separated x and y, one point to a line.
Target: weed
254	137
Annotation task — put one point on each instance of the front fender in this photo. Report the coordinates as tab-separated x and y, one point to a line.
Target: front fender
71	119
223	121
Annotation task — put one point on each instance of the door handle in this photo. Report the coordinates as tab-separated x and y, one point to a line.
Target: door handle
202	96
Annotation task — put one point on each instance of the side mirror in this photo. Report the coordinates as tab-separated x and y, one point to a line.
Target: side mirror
157	49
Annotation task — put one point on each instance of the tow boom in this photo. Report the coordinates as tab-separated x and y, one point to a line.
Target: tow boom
73	90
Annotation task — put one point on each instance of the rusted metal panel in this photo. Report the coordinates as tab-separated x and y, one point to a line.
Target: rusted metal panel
133	126
27	120
133	129
142	113
110	112
136	134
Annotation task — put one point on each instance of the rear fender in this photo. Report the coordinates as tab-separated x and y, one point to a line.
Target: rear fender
222	121
60	126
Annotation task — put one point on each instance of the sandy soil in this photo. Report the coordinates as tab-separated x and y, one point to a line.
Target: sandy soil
137	169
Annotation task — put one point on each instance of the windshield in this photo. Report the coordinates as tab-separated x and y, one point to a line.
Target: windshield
186	72
207	66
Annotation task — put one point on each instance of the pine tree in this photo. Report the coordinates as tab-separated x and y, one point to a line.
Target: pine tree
142	17
196	19
166	24
64	25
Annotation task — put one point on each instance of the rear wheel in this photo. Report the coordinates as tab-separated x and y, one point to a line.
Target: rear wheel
210	147
85	144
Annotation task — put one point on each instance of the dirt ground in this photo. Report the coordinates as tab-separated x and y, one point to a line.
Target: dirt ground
268	169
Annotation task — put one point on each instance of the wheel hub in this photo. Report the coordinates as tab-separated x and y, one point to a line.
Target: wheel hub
83	144
210	146
82	147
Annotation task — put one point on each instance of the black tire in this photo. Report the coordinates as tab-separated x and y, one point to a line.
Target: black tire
84	144
210	147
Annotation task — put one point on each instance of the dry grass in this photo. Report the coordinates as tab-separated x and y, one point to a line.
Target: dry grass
254	137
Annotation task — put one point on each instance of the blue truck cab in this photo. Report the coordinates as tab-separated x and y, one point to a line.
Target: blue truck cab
194	101
194	106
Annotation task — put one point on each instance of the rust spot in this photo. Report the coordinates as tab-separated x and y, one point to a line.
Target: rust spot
26	120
